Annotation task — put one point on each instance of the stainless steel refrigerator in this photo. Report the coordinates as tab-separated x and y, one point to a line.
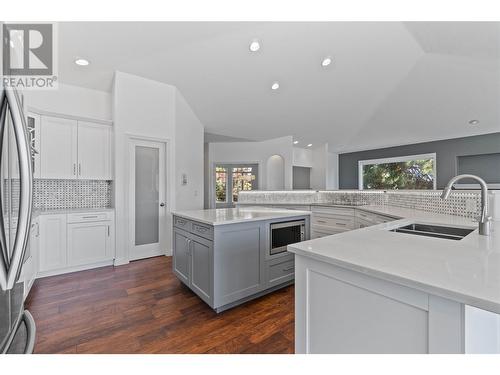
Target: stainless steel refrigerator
17	327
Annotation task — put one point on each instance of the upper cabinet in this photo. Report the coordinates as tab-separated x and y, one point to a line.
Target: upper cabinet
94	150
72	149
59	151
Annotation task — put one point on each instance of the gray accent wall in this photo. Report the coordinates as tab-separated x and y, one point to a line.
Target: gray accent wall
447	153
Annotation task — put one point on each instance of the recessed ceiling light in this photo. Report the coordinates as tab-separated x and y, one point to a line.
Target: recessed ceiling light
473	122
82	62
309	145
275	86
254	46
326	61
295	142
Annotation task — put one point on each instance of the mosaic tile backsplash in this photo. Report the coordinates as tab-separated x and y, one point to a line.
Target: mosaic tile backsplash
466	203
53	194
59	194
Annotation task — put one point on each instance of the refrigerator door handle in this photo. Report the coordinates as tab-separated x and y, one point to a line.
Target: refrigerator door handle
29	322
4	257
26	187
31	332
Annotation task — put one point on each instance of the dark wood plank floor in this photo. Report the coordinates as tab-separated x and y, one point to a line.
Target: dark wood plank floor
142	308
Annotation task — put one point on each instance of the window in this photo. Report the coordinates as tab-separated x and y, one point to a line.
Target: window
406	172
231	179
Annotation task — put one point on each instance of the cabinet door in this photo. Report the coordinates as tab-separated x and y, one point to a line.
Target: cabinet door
201	251
52	241
58	152
181	263
89	243
94	151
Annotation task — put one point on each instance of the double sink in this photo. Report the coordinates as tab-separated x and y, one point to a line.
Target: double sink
436	231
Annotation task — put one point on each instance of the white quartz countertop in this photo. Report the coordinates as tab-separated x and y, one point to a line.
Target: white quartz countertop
467	271
223	216
69	210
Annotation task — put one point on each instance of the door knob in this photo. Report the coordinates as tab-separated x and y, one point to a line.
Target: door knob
162	204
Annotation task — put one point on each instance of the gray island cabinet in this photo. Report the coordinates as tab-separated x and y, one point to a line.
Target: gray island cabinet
224	255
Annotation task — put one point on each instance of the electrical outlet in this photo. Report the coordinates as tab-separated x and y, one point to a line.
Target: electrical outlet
470	205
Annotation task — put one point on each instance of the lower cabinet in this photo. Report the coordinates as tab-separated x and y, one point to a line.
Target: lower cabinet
201	251
52	242
89	243
73	242
193	263
181	262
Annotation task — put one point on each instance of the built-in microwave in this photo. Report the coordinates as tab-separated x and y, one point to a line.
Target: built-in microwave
286	233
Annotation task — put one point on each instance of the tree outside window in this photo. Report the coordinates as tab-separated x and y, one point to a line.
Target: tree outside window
412	172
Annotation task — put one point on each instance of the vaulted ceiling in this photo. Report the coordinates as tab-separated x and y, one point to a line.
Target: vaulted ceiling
390	82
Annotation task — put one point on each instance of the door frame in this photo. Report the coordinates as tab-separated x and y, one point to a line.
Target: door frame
213	203
169	193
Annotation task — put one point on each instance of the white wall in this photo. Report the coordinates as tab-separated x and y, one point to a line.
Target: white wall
302	157
147	108
324	171
71	100
189	155
251	152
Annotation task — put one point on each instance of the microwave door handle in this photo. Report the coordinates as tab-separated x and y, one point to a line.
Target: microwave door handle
26	187
4	257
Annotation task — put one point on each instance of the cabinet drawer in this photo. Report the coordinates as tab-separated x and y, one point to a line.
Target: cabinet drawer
281	272
337	222
297	207
86	217
182	223
337	211
318	232
202	230
372	217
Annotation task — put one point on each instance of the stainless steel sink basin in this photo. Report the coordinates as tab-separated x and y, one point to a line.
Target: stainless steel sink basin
438	231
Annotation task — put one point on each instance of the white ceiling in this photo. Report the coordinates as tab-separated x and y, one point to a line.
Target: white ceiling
390	83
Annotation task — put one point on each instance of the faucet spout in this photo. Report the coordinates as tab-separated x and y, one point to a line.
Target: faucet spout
484	220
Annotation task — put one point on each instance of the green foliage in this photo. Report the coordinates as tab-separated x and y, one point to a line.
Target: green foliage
220	184
413	174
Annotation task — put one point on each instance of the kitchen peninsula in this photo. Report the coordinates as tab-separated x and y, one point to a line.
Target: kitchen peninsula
229	256
377	289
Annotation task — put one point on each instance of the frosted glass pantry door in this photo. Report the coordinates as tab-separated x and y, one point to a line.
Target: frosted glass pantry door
147	199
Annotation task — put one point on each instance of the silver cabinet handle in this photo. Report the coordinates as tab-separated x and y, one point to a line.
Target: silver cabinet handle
74	169
289	268
90	217
341	224
79	169
26	187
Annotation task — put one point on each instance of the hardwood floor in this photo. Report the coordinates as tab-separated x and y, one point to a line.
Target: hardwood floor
142	308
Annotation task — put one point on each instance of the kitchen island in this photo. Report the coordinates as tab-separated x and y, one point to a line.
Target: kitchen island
373	290
225	257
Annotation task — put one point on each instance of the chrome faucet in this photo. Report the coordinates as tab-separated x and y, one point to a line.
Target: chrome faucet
484	219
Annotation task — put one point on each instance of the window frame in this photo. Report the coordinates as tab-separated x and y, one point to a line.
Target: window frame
229	182
397	159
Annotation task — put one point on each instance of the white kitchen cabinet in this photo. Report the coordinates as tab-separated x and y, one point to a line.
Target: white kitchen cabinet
30	262
59	148
94	151
75	241
74	149
89	243
52	242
